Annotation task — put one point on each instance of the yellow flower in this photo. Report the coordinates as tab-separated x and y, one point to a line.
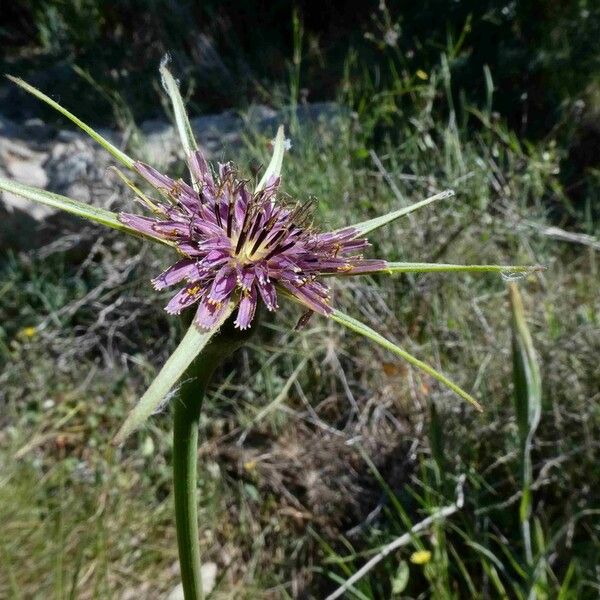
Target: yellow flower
420	557
250	466
28	332
422	75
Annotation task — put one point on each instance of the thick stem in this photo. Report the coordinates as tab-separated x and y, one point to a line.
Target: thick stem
185	445
186	416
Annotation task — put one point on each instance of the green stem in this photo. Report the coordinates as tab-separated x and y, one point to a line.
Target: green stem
185	446
186	417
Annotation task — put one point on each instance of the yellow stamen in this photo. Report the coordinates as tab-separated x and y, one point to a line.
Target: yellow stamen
175	190
345	268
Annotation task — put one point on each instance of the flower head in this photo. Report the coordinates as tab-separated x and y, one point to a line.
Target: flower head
240	246
28	332
420	557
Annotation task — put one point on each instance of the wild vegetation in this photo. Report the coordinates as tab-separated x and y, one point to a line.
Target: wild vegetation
317	449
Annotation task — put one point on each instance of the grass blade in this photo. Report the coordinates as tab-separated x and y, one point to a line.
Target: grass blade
190	346
118	154
528	404
74	207
182	121
566	592
371	334
274	168
367	227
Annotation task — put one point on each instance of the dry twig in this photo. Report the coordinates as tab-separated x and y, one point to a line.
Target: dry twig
404	539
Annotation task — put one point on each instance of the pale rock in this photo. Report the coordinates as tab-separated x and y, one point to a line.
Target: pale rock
23	164
208	572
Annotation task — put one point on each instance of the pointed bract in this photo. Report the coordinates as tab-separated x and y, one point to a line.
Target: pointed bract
372	335
274	169
184	128
389	268
116	152
367	227
190	346
81	209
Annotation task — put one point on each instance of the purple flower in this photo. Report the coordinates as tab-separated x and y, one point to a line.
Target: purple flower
242	246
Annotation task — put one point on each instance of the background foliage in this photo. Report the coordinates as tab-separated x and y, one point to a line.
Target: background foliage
542	54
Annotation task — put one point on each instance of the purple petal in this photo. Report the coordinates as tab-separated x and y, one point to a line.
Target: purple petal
241	206
319	288
308	297
327	265
171	229
215	259
283	263
246	310
154	177
178	272
364	266
188	198
245	278
209	314
330	237
222	242
261	271
142	224
200	170
353	245
183	298
223	285
207	227
189	248
268	294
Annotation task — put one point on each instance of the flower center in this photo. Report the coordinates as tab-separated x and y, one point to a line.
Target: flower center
250	252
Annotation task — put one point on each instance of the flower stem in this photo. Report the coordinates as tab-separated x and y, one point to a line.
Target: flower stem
186	417
185	446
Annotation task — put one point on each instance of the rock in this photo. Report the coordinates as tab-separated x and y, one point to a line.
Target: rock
213	132
208	572
74	168
22	162
19	162
160	142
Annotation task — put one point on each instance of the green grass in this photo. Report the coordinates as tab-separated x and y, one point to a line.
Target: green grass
319	448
